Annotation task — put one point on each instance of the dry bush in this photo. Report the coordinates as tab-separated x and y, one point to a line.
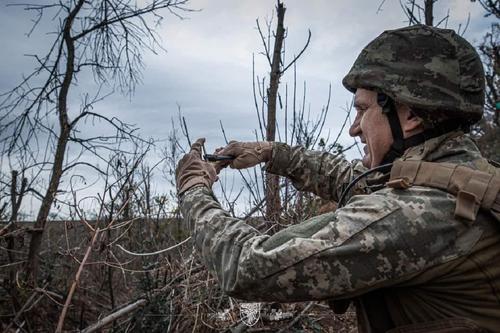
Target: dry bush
179	293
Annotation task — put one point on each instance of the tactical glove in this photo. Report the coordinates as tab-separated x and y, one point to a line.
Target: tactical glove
192	170
247	154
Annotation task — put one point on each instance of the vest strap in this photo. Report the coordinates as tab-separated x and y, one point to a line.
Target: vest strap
474	189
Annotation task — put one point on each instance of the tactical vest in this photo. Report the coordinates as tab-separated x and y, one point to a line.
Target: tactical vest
474	190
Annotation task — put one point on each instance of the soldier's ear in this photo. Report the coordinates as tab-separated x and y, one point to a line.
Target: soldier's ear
411	124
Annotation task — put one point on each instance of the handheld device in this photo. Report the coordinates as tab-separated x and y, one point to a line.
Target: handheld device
215	158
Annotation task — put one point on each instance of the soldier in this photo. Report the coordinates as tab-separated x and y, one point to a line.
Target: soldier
413	249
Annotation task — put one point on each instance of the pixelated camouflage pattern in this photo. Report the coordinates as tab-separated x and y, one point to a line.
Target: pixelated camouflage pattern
406	243
317	172
432	70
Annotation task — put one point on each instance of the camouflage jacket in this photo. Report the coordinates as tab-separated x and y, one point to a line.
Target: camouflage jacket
405	245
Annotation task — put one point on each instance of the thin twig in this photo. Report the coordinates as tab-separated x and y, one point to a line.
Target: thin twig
152	253
60	322
196	318
379	9
300	53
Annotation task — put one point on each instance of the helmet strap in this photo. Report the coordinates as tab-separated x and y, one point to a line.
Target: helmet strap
400	144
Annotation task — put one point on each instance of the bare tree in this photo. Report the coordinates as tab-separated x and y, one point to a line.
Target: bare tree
295	123
277	69
105	38
272	181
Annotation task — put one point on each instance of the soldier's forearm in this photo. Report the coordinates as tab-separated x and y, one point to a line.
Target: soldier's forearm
321	173
217	235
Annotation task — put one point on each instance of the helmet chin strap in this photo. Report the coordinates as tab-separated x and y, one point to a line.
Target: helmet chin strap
400	144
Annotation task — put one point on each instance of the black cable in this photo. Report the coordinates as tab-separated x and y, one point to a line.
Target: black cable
358	178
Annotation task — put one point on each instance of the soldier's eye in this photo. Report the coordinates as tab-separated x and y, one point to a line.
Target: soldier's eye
360	110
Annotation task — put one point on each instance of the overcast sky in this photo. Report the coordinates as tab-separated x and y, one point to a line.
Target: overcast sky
207	68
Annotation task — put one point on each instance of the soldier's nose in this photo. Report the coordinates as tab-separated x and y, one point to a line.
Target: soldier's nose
355	129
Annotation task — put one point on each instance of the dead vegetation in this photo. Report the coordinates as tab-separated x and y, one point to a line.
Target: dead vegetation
127	264
119	290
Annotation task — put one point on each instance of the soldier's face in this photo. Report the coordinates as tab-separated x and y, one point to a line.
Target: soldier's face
372	128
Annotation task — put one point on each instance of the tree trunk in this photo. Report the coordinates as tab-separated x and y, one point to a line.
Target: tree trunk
428	12
62	141
273	207
15	200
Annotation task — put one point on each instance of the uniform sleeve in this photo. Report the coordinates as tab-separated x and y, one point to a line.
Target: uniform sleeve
321	173
374	241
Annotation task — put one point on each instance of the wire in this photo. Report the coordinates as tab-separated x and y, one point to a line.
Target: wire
358	178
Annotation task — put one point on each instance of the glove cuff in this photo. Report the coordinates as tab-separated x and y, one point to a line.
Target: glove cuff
265	150
192	182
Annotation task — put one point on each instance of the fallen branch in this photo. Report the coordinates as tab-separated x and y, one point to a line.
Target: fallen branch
136	304
115	315
296	319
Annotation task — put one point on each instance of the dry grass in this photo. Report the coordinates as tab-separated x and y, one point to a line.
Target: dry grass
179	294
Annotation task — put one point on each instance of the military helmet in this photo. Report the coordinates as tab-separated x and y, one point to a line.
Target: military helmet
434	71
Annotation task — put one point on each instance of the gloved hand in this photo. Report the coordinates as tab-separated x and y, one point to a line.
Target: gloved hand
247	154
192	170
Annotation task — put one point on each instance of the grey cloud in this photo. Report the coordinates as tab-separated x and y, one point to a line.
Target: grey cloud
207	68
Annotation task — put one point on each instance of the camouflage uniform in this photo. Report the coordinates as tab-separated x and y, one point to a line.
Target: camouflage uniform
402	255
404	247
